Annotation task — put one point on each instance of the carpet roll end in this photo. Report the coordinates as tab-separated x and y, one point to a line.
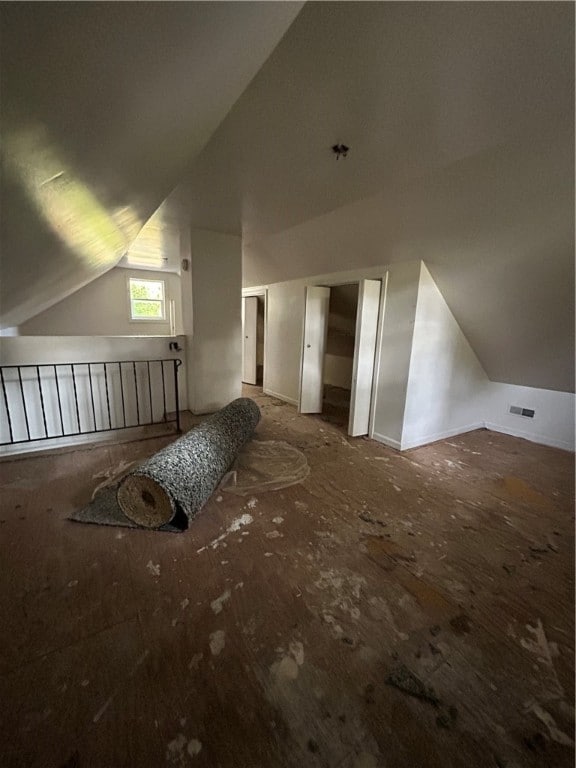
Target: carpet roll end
144	501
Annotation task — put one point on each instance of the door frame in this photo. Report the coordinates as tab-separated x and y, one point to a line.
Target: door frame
355	277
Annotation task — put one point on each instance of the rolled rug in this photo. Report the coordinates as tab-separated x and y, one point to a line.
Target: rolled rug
175	483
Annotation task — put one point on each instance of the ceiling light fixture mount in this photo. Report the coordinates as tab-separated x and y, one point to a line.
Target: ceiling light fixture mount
340	150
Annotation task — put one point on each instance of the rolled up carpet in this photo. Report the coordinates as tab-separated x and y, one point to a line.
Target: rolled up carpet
177	481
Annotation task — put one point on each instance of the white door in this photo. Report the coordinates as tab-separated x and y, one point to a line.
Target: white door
249	325
364	356
315	330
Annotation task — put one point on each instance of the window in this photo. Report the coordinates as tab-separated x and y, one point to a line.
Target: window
146	299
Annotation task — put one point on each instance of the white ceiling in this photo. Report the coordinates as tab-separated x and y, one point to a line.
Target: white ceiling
459	116
103	105
460	120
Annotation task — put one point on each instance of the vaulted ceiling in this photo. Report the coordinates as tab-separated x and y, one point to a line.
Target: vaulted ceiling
459	118
460	122
103	107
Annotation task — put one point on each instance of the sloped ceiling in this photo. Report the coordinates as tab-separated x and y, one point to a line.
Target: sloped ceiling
103	106
460	120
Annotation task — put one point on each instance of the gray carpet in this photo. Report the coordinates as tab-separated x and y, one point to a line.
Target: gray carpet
189	470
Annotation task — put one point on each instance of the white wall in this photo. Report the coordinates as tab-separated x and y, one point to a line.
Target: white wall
553	422
430	384
445	394
42	351
212	318
449	392
102	308
393	356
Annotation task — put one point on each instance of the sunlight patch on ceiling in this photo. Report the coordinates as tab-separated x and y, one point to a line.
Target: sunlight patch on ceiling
157	245
97	236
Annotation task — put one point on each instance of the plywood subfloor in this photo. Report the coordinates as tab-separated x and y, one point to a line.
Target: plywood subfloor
447	570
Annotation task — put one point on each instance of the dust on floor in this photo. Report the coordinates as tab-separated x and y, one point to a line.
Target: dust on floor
391	610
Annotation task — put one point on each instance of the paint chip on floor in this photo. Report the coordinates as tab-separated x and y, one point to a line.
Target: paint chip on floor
217	642
153	569
217	604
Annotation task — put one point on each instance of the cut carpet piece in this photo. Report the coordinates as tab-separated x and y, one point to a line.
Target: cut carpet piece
265	465
166	491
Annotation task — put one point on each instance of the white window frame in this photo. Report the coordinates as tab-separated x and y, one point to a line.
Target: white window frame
162	301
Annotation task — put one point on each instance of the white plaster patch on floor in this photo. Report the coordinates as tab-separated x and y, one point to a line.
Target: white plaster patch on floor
335	628
251	503
175	749
268	554
195	661
300	505
217	604
153	569
217	642
274	535
345	589
184	603
396	488
239	522
224	562
284	670
296	649
545	717
239	585
218	499
235	525
194	747
278	520
73	583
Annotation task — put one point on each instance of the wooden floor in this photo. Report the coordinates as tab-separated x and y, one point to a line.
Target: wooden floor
406	610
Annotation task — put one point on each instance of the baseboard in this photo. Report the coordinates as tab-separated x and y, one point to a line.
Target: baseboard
390	442
281	397
551	442
441	436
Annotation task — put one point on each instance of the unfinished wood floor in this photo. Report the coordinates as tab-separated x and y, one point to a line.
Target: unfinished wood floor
395	610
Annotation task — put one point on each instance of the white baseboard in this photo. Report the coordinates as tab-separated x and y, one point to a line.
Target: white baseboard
552	442
441	436
390	442
286	399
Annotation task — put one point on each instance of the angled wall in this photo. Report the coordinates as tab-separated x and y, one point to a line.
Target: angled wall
449	393
102	308
446	383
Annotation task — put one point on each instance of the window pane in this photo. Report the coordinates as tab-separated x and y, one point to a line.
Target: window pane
146	289
142	308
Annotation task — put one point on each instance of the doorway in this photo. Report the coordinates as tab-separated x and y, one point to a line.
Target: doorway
339	352
253	333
